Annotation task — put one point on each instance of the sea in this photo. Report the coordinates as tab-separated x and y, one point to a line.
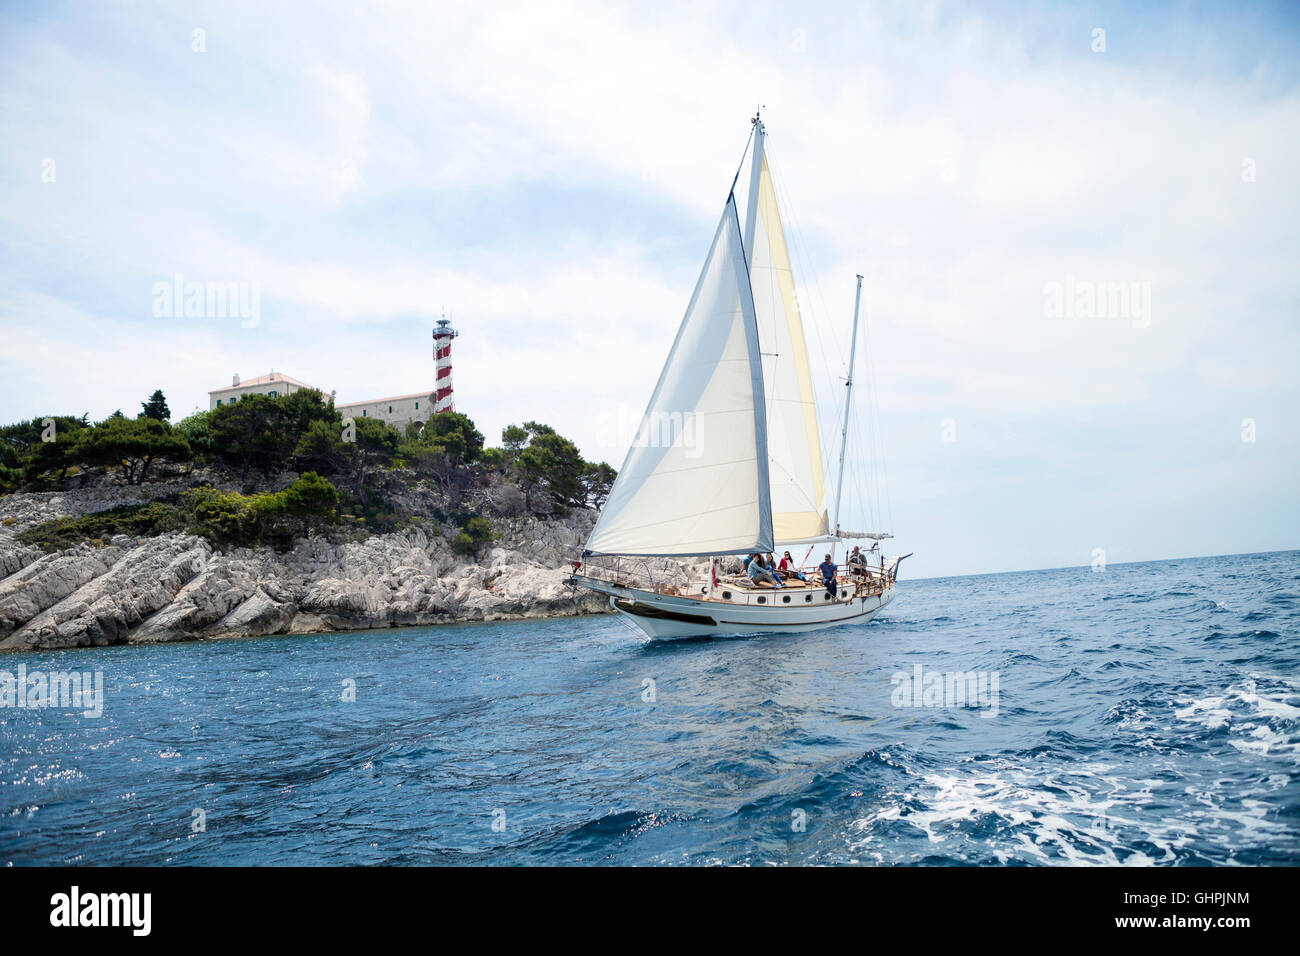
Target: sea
1144	715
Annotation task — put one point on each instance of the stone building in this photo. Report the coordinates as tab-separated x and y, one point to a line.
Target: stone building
398	411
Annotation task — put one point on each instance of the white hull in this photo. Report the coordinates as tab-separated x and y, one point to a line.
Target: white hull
664	617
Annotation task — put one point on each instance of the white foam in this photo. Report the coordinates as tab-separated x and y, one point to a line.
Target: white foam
1062	816
1261	722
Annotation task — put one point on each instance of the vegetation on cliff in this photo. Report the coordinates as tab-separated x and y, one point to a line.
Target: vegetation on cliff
300	469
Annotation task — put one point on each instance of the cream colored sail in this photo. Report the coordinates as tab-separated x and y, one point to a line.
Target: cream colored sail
794	449
695	481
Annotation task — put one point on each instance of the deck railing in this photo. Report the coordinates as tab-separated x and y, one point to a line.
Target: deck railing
640	573
635	573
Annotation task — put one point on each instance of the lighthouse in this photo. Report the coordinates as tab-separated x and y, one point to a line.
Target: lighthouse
443	400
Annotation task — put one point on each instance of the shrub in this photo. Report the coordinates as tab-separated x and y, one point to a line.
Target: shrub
135	520
475	531
275	518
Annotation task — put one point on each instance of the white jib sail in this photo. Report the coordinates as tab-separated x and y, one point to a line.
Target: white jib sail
695	481
794	449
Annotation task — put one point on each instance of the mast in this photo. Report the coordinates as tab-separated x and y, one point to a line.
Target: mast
848	395
755	173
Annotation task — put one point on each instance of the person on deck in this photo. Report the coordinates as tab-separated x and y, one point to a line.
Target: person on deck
828	569
787	569
858	563
756	572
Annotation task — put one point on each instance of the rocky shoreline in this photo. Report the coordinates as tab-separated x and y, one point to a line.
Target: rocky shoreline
177	587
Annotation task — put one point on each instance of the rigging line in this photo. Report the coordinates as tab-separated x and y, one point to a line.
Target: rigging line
878	475
878	450
886	485
873	440
805	255
874	437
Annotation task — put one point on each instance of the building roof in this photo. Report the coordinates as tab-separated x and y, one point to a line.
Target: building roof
380	401
267	379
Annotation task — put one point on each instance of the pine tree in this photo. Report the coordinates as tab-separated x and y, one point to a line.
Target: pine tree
156	408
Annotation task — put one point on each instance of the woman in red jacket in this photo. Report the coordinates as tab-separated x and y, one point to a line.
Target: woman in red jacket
787	569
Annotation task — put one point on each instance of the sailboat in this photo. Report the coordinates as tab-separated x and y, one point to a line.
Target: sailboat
728	460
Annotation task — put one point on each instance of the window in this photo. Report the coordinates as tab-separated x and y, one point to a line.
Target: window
272	394
390	409
363	411
233	399
786	599
807	598
417	406
218	403
726	595
762	599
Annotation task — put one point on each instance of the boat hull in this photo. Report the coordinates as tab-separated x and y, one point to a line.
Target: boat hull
663	617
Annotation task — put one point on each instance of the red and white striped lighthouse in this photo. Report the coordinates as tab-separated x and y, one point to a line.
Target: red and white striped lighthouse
443	399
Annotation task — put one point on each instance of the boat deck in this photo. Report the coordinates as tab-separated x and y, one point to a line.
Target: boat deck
737	589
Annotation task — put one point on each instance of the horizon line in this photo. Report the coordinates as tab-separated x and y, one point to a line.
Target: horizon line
1074	567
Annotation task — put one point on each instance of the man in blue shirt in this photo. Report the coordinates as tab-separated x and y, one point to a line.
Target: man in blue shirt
828	569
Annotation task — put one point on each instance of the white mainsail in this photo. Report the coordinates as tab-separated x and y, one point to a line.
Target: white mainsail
695	481
795	454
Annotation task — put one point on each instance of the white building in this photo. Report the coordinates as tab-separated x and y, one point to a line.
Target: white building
398	411
274	384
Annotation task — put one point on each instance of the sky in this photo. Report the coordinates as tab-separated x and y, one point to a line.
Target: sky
550	176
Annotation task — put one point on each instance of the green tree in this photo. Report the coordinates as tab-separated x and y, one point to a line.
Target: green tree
311	502
262	433
32	448
446	450
322	449
304	407
456	435
197	430
134	444
513	439
597	480
376	446
246	435
156	408
552	464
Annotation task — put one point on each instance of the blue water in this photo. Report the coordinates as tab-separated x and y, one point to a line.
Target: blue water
1147	714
